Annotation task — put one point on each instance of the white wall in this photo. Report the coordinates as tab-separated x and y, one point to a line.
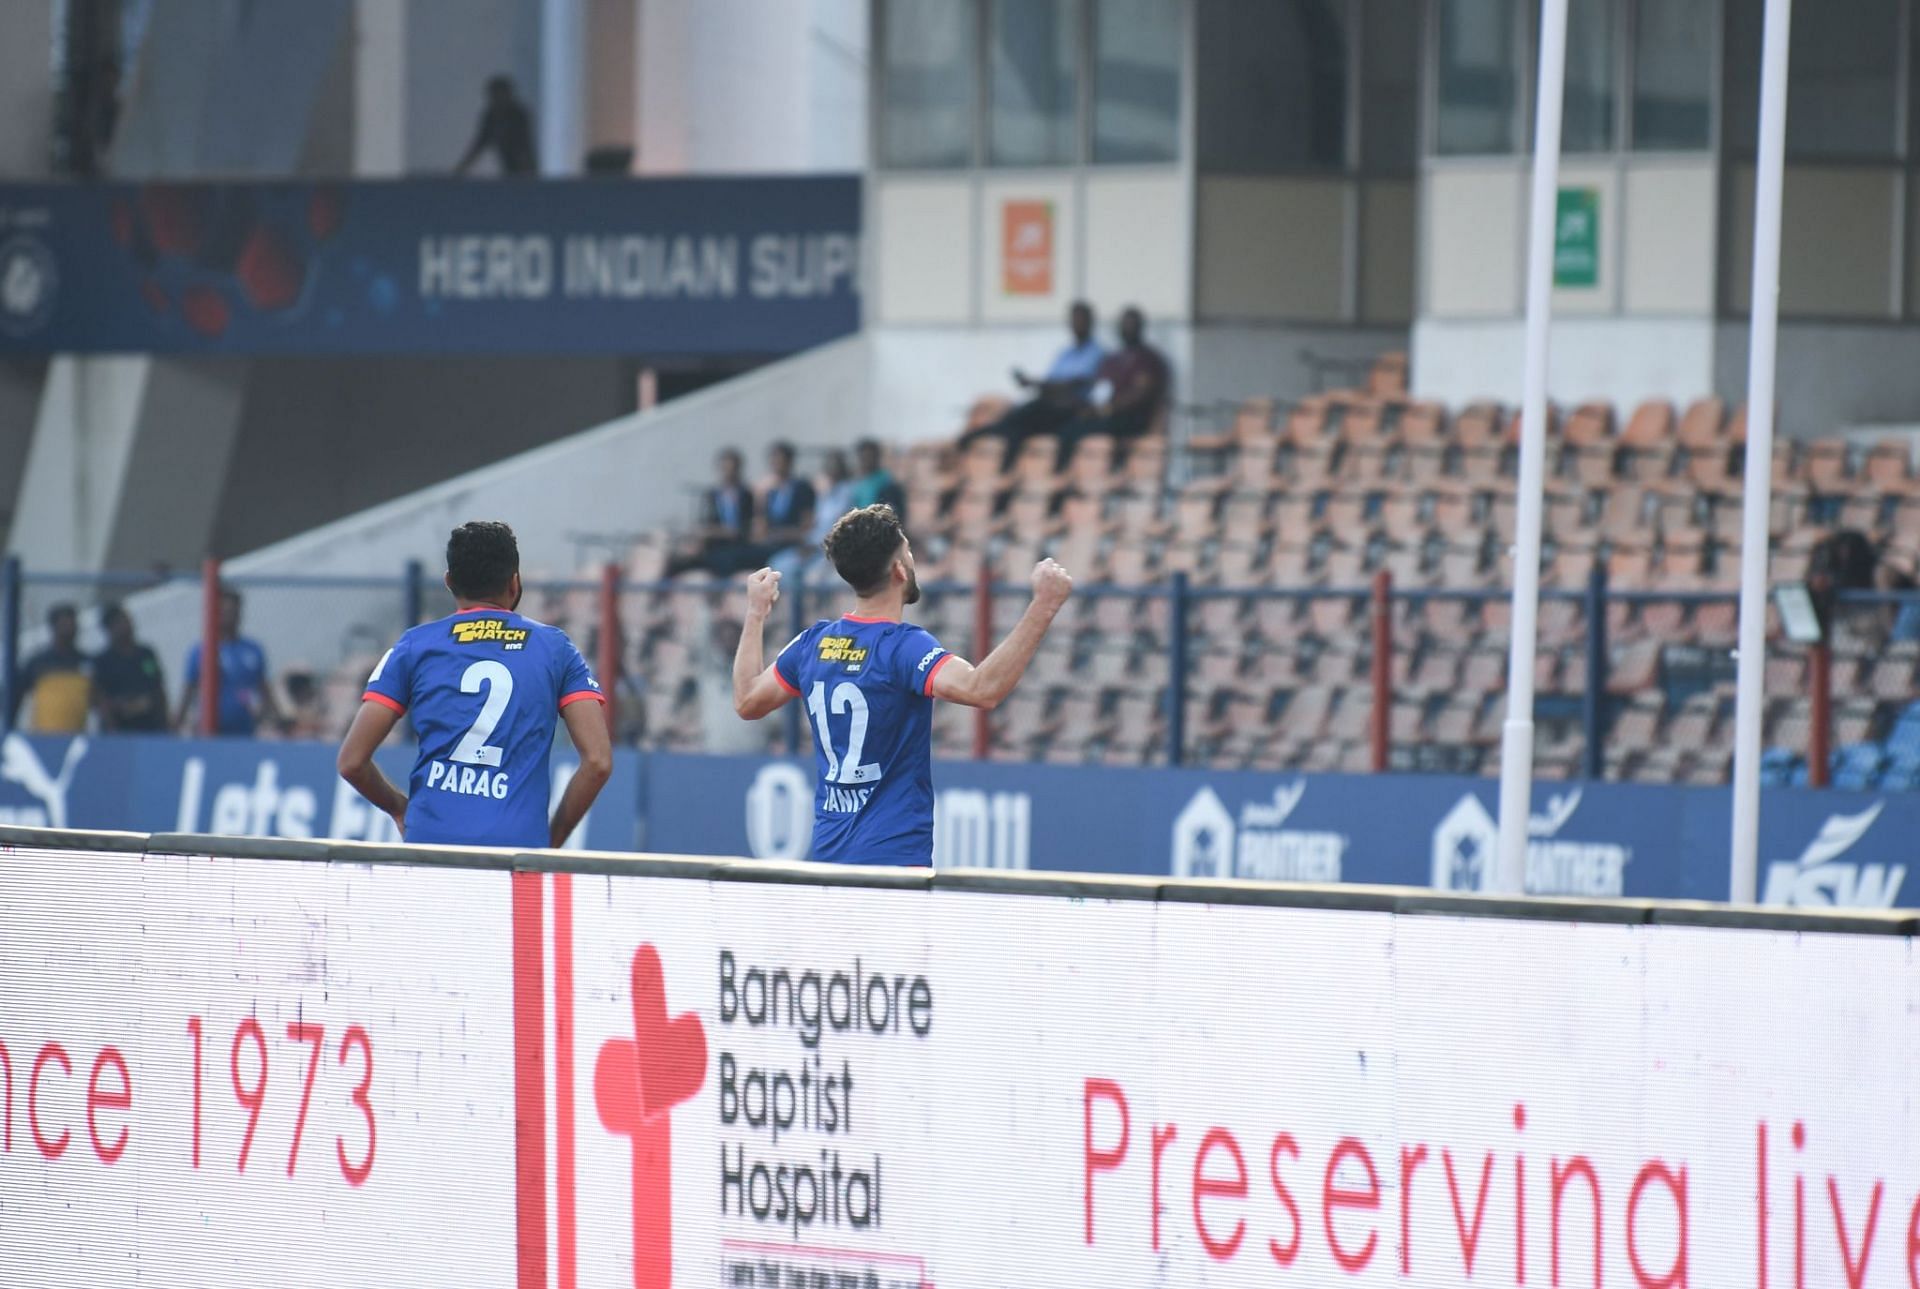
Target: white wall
1623	359
938	253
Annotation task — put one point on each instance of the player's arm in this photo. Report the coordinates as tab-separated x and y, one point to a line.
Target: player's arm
757	687
587	727
986	683
371	725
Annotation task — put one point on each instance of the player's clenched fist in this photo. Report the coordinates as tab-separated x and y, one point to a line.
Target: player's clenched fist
1051	583
763	591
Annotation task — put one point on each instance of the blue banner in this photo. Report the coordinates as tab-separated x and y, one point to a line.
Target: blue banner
1594	840
1585	839
659	267
238	787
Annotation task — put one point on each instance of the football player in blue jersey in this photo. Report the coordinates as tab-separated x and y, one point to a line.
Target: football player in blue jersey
868	680
484	688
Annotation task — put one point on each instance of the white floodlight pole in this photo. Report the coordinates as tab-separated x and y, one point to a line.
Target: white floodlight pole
1756	500
1516	743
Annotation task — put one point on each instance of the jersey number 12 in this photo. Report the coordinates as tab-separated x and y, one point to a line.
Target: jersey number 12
846	698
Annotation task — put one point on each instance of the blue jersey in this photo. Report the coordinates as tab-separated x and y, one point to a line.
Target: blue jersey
243	679
484	688
867	684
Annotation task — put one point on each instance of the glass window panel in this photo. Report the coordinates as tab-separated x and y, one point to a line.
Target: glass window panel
1479	60
1136	80
1673	74
927	84
1842	81
1390	104
1034	121
1275	94
1586	123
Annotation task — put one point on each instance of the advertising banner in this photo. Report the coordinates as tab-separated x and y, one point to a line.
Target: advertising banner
606	266
1590	840
253	1072
240	787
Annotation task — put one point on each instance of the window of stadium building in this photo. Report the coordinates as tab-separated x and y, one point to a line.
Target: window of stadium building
1586	121
1136	80
1034	48
1673	74
1480	54
1390	41
1274	93
928	70
1843	79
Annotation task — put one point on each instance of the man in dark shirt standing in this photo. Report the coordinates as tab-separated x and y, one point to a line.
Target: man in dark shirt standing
1131	391
506	127
128	689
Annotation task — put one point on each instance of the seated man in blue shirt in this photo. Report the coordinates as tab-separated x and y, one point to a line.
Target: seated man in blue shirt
1057	398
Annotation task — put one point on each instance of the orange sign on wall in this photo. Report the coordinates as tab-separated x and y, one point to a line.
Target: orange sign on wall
1026	248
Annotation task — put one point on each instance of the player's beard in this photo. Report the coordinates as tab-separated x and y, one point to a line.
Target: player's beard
913	588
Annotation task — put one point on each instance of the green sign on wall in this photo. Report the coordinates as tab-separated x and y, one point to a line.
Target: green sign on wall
1576	238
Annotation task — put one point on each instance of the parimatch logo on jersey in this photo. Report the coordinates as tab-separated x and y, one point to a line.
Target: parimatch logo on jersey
489	631
841	649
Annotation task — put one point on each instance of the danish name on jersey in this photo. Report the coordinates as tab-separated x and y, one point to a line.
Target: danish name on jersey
489	631
466	781
845	801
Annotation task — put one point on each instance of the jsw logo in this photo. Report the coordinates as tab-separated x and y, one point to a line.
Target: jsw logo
1818	879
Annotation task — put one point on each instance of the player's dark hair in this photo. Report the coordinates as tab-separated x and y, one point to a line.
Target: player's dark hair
862	546
482	557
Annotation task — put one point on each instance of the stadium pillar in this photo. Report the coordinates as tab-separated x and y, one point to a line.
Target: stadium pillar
1819	714
416	593
609	659
1382	715
1750	681
10	641
210	647
1593	702
1516	743
1177	670
982	646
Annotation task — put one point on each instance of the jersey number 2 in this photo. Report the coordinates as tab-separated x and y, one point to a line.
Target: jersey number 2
846	698
473	748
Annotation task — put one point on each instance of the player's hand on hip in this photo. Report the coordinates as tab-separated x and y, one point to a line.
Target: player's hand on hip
1052	584
763	591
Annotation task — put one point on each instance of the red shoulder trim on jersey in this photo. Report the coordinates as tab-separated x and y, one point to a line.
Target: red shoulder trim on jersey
852	617
784	684
384	701
581	695
933	671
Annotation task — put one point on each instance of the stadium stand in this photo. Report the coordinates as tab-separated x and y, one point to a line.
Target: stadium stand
1313	498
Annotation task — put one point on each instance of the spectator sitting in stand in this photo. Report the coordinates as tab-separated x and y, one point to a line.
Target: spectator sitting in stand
1058	397
1129	395
720	543
806	560
873	483
57	678
506	129
786	505
128	689
246	688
